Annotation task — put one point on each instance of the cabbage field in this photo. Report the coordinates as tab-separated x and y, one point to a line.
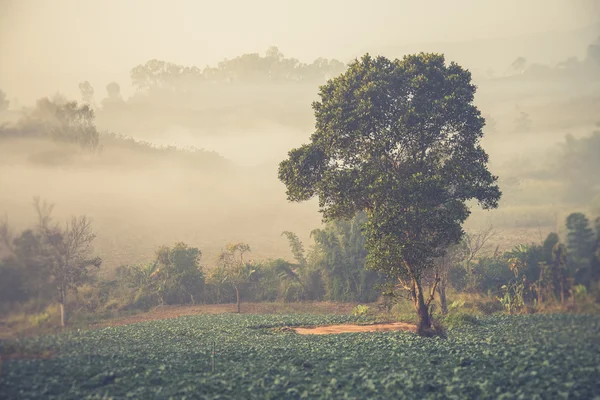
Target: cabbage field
501	357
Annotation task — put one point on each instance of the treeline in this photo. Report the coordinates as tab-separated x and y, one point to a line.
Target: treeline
52	262
251	68
250	91
527	276
38	268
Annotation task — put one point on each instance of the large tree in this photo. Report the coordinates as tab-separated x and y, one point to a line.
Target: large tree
399	140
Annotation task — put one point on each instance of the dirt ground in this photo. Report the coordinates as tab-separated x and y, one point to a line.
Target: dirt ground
347	328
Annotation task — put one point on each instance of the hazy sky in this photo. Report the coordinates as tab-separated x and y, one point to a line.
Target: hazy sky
50	45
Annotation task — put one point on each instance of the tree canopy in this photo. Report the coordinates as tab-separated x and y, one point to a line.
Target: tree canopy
399	140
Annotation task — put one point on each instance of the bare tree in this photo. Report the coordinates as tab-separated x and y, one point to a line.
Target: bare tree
68	251
476	242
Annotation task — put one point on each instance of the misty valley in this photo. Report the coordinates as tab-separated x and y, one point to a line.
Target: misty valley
398	224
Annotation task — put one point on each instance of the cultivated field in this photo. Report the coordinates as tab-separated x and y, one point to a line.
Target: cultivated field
259	356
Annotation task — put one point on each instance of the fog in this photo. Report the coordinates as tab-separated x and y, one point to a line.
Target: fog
230	123
48	46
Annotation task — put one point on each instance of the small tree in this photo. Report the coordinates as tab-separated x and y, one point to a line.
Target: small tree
179	273
237	271
67	250
289	273
399	140
580	246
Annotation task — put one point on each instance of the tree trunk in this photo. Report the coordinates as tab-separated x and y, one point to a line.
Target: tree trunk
62	298
424	322
237	299
63	319
442	293
540	279
562	293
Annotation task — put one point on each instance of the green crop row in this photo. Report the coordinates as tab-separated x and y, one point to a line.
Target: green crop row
501	357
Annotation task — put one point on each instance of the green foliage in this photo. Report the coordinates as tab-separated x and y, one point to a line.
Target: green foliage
398	140
529	356
39	319
178	275
548	246
580	246
456	306
339	254
489	306
360	311
579	293
513	299
296	247
458	278
490	274
459	319
236	271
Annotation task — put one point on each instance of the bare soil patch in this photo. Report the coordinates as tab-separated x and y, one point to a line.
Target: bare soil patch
348	328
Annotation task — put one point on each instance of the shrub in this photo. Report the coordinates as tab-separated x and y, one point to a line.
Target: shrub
112	305
579	293
456	305
144	300
360	311
38	320
459	319
458	279
438	328
488	307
